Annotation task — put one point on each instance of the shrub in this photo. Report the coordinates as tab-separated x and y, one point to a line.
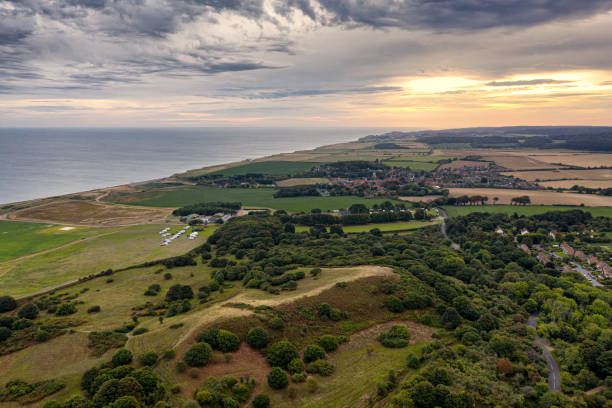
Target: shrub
298	377
276	323
227	341
329	342
278	378
66	309
209	336
324	310
312	385
321	367
296	365
167	276
7	303
335	314
281	353
261	401
179	292
125	402
397	336
313	353
122	357
292	392
315	271
394	304
257	338
5	333
148	359
139	331
169	354
29	311
42	336
181	366
412	361
93	309
198	355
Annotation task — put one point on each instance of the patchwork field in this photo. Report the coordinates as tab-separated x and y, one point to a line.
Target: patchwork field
454	211
548	175
578	159
292	182
80	212
518	162
19	239
261	197
538	197
413	165
571	183
459	164
116	248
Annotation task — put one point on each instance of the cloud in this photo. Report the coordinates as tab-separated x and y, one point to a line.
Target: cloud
528	82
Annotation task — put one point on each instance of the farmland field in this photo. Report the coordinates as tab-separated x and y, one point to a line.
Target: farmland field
454	211
116	248
459	164
518	162
301	182
268	167
547	175
571	183
413	165
578	159
536	196
386	227
261	197
24	238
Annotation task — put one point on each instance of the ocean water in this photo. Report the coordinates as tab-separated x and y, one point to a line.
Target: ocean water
37	163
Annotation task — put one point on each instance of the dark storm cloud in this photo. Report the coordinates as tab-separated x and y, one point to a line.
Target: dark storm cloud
528	82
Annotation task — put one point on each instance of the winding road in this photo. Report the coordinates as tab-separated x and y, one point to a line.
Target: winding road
554	376
444	216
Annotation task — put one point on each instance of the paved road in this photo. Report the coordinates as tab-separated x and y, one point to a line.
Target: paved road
554	376
444	216
586	273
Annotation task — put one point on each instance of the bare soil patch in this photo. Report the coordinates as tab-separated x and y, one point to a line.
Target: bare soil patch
536	196
92	213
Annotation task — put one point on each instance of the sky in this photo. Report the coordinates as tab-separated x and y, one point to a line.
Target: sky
387	63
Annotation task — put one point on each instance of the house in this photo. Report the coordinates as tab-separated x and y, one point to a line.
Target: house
525	248
499	231
543	258
524	232
580	255
567	250
553	235
591	259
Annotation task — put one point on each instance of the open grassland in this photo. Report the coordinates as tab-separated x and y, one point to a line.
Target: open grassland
357	372
459	164
577	159
80	212
454	211
386	227
19	239
268	167
518	162
538	197
260	197
118	248
412	165
302	182
547	175
566	184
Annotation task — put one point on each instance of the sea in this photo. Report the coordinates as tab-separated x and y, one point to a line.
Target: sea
36	162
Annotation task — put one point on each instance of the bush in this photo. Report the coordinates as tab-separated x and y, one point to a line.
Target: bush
169	354
122	357
7	303
276	323
29	311
148	359
394	304
198	355
296	366
42	336
209	336
167	276
139	331
261	401
227	341
5	333
312	385
93	309
181	367
321	367
179	292
315	271
313	353
298	378
329	343
125	402
257	338
281	353
66	309
397	336
278	378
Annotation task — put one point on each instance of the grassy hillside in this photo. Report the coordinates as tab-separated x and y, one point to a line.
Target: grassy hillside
268	167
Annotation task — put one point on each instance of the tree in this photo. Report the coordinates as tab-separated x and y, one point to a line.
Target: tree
505	367
66	309
148	359
451	318
198	355
358	209
29	311
209	336
296	366
329	343
7	303
394	304
257	338
125	402
179	292
261	401
227	341
5	333
423	395
281	353
278	378
122	357
313	353
107	393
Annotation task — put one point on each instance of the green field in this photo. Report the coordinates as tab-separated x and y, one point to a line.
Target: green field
268	167
260	197
454	211
413	165
24	238
114	248
387	227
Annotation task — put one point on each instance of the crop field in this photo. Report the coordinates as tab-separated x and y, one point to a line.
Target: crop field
268	167
80	212
454	211
115	248
386	227
459	164
413	165
302	181
578	159
518	162
571	183
538	197
570	174
259	198
19	239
